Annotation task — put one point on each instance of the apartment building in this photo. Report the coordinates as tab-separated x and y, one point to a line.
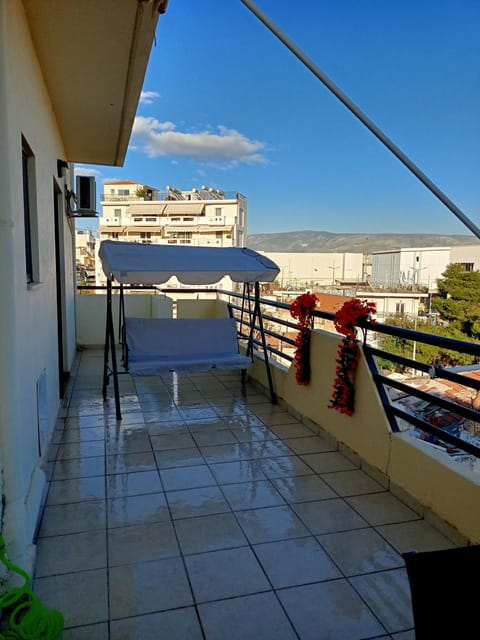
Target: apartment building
135	212
84	255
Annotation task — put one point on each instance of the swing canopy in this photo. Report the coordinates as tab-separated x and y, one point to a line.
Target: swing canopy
136	263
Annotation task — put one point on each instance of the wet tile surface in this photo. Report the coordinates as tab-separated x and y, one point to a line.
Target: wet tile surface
206	515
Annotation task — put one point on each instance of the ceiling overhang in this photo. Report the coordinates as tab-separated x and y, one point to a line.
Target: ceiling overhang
93	55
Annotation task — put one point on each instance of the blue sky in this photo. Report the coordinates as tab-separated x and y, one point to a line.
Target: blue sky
227	105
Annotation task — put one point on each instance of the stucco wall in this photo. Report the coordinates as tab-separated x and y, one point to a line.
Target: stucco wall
91	314
28	321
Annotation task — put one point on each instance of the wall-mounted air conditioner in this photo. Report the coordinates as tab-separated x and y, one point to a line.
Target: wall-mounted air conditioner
86	193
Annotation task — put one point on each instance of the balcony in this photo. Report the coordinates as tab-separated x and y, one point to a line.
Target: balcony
206	513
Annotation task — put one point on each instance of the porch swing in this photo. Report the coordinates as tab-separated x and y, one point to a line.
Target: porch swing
155	346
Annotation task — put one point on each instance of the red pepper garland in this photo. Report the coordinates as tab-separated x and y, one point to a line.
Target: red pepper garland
345	321
302	309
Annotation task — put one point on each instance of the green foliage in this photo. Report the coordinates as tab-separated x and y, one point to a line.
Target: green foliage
141	192
425	353
459	300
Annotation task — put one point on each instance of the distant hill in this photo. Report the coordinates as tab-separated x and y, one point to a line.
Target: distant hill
325	242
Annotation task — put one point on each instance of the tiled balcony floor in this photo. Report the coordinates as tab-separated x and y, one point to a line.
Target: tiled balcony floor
206	514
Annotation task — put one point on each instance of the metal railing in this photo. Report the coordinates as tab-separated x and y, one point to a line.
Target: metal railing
462	442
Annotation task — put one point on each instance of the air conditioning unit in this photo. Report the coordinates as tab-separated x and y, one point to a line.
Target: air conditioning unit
86	193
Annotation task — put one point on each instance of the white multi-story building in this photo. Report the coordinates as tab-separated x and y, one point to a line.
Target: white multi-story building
84	254
135	212
310	270
411	267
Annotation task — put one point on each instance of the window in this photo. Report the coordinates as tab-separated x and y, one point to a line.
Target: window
138	219
29	213
468	266
117	212
218	211
124	192
400	307
188	219
145	235
151	219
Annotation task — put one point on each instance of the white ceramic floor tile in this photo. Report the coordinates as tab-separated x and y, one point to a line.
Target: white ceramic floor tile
81	597
196	502
176	624
360	551
236	471
135	483
294	562
148	587
70	553
255	617
303	488
382	508
270	524
225	574
252	495
187	478
209	533
141	509
141	543
329	611
326	516
380	589
73	518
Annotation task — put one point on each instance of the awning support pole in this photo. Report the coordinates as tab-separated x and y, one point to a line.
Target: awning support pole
110	346
257	313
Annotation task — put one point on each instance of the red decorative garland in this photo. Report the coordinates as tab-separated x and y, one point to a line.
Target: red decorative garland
302	309
346	320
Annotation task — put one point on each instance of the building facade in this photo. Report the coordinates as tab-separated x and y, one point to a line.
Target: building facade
50	118
85	243
410	268
310	270
134	212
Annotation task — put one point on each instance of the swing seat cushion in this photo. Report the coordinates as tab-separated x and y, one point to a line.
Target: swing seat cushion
159	345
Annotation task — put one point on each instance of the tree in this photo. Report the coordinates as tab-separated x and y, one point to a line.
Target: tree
141	193
459	300
425	353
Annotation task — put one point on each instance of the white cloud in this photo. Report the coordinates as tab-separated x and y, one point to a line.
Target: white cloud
148	97
87	171
155	138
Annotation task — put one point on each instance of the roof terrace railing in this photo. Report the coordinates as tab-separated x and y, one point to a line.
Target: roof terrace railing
455	444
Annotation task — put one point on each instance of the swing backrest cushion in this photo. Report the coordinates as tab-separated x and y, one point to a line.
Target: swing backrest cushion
158	345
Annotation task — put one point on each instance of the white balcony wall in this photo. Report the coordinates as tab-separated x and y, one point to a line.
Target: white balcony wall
29	363
91	314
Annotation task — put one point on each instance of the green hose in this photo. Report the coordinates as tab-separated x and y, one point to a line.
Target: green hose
29	619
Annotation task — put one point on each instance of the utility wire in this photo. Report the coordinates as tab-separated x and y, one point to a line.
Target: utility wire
363	117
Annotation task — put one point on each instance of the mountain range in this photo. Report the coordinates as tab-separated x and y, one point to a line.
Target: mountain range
326	242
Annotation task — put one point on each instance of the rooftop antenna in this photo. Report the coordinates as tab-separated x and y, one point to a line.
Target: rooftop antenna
363	118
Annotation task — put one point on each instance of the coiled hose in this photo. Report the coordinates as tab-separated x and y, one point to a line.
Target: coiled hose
29	619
